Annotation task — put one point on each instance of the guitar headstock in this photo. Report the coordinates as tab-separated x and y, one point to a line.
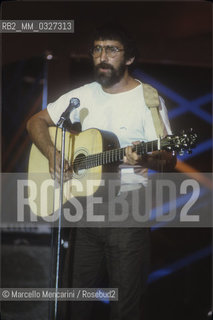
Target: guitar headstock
186	141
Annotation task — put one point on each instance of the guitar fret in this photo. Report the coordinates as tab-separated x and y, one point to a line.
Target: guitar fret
138	149
149	147
117	155
122	154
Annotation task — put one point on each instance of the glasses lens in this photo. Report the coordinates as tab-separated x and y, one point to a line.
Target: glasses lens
96	51
110	51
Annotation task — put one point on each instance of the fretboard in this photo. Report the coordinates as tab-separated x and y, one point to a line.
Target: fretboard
114	155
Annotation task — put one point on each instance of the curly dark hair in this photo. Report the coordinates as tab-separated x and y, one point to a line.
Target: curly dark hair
118	33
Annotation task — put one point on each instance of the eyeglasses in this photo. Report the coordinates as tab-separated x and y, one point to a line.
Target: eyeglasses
111	51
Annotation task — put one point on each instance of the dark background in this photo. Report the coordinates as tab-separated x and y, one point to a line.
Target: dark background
175	55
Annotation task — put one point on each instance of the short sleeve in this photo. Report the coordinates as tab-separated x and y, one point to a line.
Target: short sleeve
55	109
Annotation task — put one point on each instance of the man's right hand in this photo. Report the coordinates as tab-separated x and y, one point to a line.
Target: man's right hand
55	161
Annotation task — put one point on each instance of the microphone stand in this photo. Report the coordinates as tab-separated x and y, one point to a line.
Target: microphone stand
64	125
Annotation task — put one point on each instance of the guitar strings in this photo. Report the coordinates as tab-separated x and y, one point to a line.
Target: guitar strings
110	156
116	155
107	156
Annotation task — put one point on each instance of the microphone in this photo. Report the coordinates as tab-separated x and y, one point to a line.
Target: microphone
74	104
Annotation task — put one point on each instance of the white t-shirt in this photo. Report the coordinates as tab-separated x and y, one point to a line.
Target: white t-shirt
125	114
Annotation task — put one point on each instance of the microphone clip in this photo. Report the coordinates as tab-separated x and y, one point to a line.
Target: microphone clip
64	120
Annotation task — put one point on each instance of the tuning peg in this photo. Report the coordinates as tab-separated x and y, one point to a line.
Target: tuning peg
181	152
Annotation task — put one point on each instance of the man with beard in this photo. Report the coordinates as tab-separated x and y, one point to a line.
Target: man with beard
114	102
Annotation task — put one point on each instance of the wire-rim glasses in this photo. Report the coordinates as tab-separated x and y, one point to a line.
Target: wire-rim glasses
111	51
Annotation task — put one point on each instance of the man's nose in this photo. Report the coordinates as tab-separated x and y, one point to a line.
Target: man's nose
103	56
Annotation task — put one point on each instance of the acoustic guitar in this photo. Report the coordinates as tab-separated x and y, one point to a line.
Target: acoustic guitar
90	154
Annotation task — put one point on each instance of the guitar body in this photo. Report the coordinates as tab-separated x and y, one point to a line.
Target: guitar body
43	191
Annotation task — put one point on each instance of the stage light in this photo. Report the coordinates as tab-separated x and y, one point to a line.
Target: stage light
49	56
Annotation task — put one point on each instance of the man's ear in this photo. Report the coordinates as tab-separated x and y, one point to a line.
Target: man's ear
130	61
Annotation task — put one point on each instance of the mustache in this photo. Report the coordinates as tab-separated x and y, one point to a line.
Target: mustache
104	65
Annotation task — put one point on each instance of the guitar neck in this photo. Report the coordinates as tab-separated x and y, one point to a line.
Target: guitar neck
116	155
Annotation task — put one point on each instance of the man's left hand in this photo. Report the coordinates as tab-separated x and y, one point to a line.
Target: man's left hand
131	156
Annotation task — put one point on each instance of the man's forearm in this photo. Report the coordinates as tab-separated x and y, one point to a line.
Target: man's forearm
39	134
38	128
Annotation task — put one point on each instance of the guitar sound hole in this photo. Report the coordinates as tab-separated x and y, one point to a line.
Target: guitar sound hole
79	165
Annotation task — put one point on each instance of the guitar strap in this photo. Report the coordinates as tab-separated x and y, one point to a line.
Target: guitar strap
152	101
